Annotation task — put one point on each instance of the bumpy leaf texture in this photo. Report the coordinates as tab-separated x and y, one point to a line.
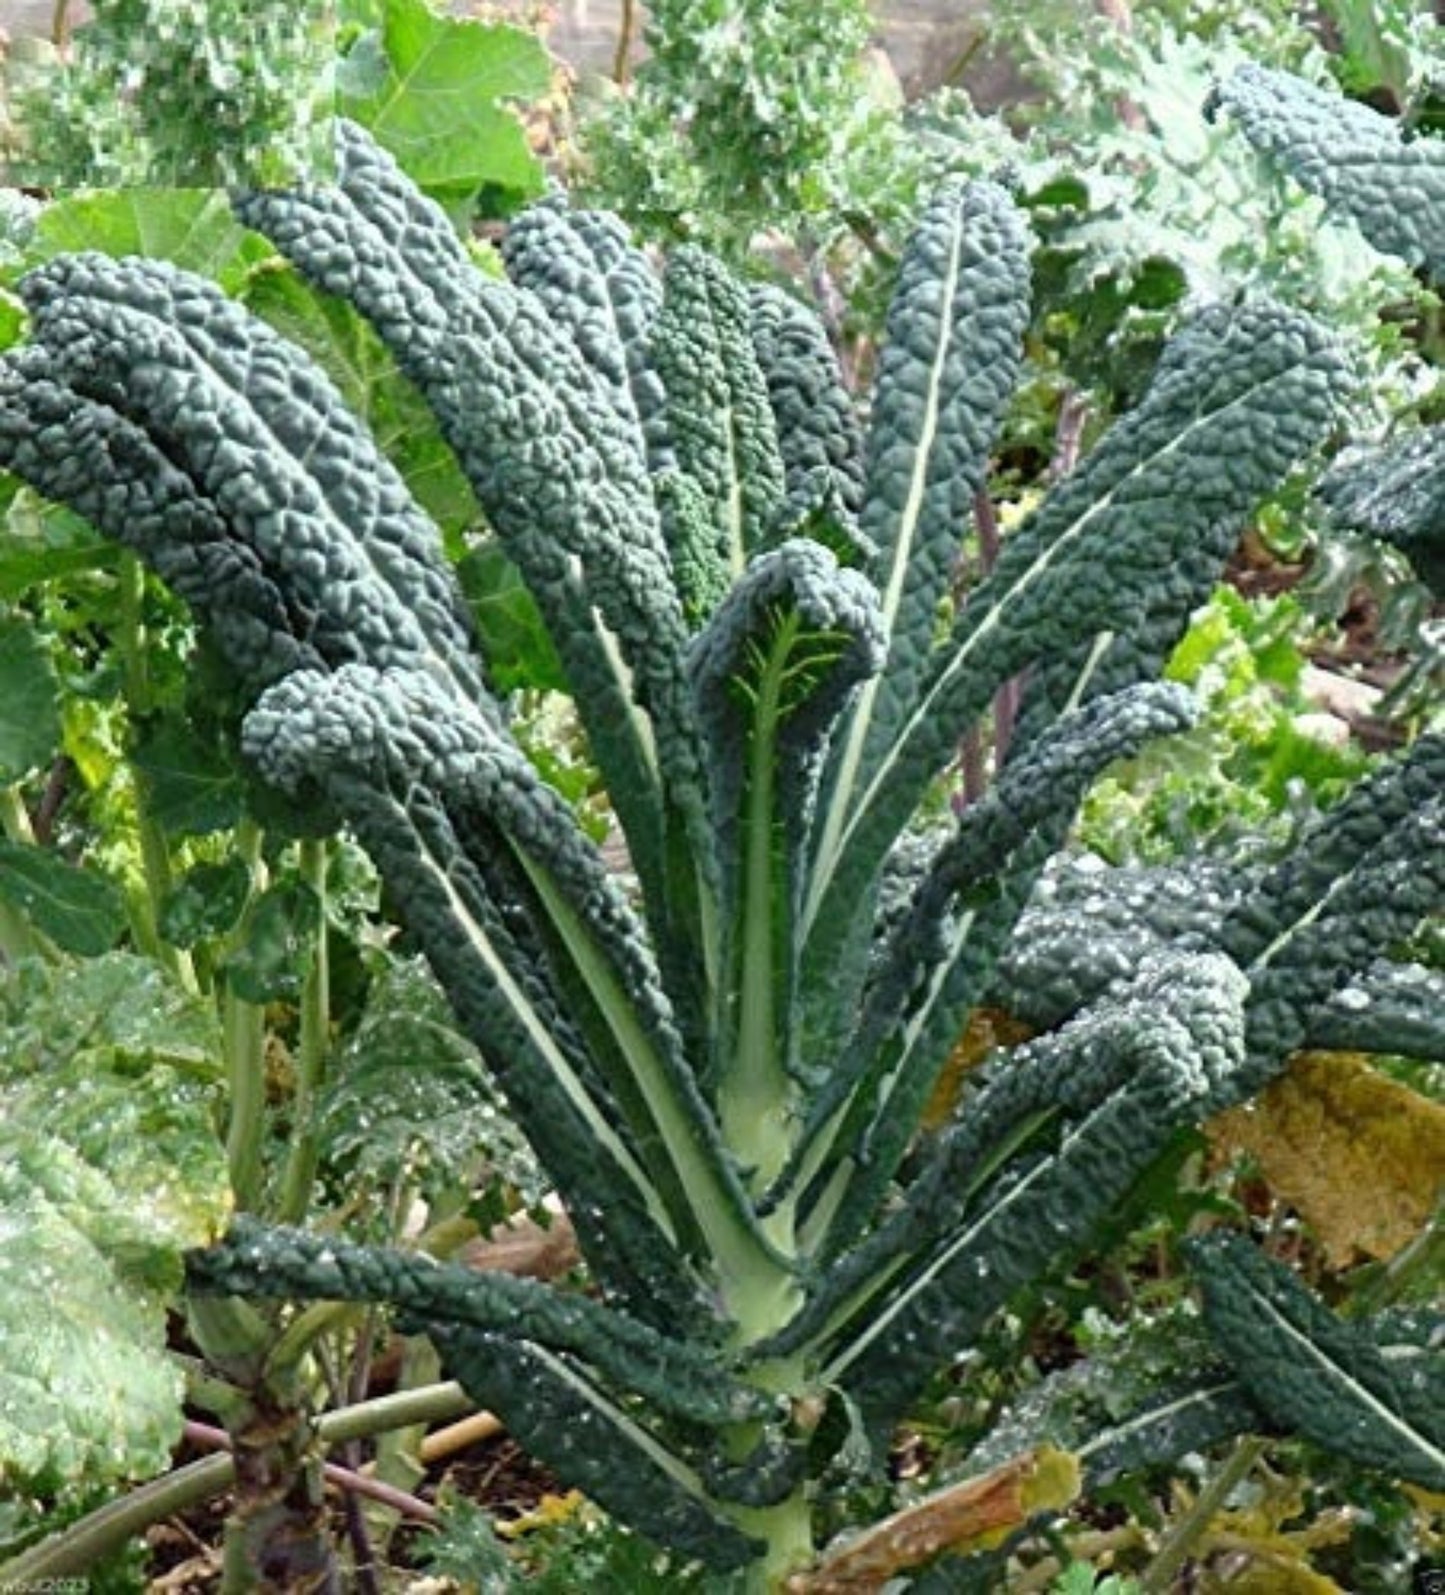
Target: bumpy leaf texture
1389	183
1318	1375
1396	493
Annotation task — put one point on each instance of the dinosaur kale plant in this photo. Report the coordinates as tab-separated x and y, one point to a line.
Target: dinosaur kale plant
1391	185
723	1056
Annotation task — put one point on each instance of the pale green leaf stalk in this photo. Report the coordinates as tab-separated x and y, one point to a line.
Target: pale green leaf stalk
722	1051
243	1042
300	1172
131	646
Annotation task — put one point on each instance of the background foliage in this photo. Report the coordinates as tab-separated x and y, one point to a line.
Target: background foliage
184	93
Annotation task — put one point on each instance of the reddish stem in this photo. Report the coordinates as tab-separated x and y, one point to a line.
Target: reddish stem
212	1439
1068	434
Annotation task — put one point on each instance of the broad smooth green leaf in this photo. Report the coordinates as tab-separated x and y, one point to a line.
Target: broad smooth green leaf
109	1167
206	901
40	541
193	227
88	1393
80	910
514	642
409	1091
427	87
270	960
193	787
29	718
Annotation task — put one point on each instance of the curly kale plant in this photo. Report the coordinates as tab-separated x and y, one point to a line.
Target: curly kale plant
185	93
723	1057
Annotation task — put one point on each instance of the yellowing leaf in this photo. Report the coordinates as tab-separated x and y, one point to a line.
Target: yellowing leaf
1279	1557
1273	1575
1359	1156
548	1512
970	1516
986	1031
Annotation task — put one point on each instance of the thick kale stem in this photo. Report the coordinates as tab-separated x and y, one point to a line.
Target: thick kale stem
243	1027
300	1172
155	856
81	1545
276	1533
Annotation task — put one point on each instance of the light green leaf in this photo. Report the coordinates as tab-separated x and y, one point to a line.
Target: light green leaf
118	1012
409	1091
29	718
343	344
12	319
428	89
88	1393
41	541
80	910
207	901
514	642
193	227
466	1547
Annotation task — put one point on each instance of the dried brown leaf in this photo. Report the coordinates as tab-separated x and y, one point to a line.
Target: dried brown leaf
964	1517
1359	1156
987	1030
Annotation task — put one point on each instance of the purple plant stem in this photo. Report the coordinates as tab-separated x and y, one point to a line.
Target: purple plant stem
213	1439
